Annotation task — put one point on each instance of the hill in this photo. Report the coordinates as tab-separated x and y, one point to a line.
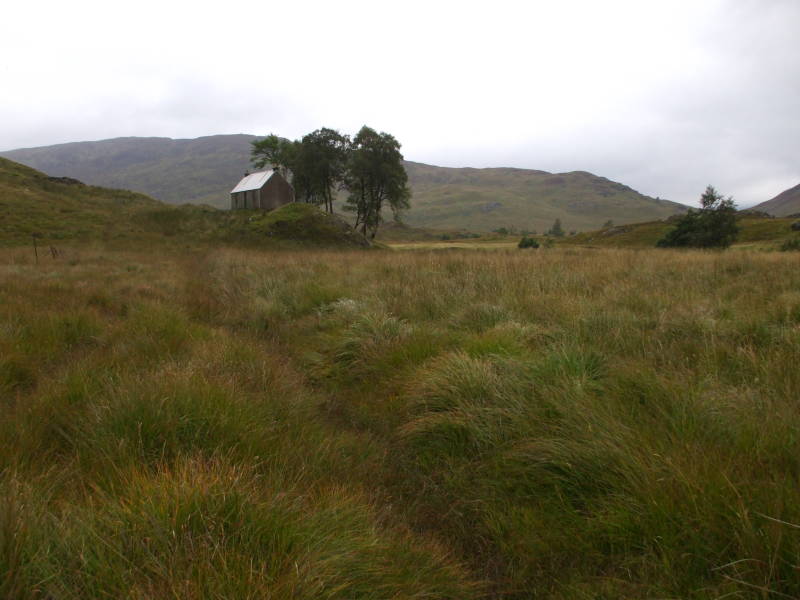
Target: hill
193	171
203	170
62	209
784	204
487	199
754	231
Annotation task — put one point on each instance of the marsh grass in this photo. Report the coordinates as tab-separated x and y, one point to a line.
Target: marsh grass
560	424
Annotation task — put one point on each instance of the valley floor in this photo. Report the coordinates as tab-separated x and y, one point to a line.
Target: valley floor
555	424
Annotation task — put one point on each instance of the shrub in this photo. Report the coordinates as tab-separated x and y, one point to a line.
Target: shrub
791	245
713	226
528	242
556	230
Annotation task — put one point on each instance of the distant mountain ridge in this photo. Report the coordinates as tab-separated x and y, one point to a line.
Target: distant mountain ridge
203	170
785	203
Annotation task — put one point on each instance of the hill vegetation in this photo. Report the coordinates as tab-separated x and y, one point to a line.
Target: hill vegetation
33	203
784	204
555	423
204	170
66	211
754	232
489	199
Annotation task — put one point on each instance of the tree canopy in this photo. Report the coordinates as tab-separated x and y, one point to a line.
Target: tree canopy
712	226
275	151
320	166
375	175
370	168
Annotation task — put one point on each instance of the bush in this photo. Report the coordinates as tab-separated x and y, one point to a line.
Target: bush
528	242
796	226
713	226
791	245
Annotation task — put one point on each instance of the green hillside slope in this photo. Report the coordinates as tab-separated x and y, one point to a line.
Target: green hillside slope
61	210
203	170
33	203
487	199
784	204
753	231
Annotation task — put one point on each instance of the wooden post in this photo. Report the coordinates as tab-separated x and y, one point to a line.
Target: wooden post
35	250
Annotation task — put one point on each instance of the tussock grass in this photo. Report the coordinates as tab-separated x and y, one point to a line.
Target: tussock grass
563	424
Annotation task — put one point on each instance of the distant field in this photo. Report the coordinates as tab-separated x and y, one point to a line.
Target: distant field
755	234
572	423
463	244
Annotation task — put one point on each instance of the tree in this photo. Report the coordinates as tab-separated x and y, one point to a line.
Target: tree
712	226
556	230
320	166
315	165
375	175
275	151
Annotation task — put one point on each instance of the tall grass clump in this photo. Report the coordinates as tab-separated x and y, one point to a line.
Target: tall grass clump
205	529
167	450
567	424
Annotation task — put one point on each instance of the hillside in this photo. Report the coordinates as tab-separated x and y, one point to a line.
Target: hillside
487	199
203	170
196	171
61	210
754	232
784	204
33	203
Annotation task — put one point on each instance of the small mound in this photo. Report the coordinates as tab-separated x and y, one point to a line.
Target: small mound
299	222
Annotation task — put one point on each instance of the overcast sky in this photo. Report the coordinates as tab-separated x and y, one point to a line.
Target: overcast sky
666	97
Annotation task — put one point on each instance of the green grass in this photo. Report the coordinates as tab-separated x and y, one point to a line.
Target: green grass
564	423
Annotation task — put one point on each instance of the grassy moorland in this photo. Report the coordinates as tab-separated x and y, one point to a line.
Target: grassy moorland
564	423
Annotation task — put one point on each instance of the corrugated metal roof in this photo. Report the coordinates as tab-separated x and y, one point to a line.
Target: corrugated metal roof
254	181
